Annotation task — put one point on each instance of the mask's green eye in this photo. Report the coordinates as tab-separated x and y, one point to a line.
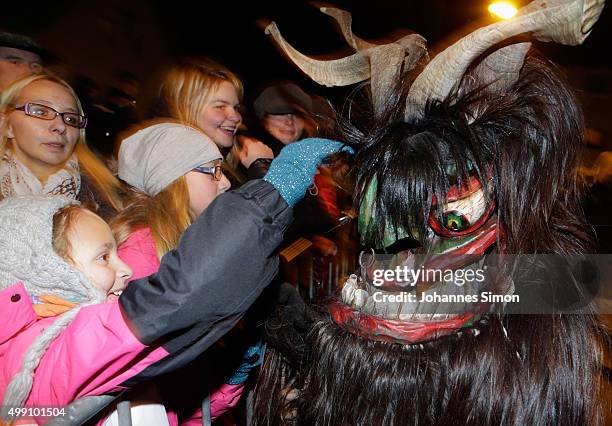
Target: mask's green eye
455	221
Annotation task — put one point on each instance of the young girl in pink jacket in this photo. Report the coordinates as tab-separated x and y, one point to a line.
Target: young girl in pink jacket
60	341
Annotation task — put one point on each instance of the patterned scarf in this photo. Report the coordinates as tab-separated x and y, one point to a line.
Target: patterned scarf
17	179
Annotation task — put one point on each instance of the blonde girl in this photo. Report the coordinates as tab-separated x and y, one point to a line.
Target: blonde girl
204	95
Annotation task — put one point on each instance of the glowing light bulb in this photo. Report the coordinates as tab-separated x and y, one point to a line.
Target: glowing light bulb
503	9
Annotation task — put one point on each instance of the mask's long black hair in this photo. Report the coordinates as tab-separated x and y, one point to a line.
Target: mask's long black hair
517	369
526	141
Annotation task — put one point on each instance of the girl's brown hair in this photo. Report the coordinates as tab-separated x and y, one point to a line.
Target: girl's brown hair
63	221
166	214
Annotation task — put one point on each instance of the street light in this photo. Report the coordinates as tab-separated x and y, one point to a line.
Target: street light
503	9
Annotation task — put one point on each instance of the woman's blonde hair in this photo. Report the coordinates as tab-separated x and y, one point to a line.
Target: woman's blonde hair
189	86
107	185
184	92
167	214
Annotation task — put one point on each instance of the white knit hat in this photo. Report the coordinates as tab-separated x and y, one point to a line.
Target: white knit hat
156	156
26	250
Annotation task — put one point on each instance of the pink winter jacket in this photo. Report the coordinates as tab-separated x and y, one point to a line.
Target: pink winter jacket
92	356
139	252
162	322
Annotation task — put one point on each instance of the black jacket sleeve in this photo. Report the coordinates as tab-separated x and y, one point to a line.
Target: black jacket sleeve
223	262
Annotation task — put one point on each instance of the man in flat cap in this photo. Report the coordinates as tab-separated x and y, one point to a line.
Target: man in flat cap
20	56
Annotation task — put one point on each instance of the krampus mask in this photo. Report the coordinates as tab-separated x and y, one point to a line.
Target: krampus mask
468	160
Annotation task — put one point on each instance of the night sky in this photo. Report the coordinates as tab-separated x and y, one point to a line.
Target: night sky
100	38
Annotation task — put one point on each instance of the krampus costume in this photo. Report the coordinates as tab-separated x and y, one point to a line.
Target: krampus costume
469	160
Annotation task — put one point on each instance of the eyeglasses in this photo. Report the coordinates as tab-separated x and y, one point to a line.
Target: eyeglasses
47	113
216	171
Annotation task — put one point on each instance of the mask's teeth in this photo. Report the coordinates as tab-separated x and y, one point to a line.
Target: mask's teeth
406	312
374	308
348	291
361	296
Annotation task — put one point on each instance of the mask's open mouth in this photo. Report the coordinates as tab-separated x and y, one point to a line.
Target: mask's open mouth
413	269
420	292
412	297
404	332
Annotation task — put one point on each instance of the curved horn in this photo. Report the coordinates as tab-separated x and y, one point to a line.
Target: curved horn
501	68
566	22
338	72
344	20
414	44
386	65
388	61
415	47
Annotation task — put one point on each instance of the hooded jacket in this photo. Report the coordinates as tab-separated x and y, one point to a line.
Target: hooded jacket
161	322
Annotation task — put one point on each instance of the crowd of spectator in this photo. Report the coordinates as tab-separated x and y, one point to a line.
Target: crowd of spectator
107	195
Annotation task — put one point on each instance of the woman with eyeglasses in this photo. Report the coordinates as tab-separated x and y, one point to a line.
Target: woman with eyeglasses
174	172
43	149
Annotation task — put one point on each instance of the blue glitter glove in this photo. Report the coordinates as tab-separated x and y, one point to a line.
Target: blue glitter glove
252	358
292	171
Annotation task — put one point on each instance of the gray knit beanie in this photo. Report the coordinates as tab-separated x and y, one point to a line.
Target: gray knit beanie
156	156
26	254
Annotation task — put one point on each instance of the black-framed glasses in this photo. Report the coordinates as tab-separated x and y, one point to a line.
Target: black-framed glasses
216	171
47	113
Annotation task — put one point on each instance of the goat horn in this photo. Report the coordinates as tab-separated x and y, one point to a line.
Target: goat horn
344	20
561	21
414	44
386	66
415	47
338	72
501	68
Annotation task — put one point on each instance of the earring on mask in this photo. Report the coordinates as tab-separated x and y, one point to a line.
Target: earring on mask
363	266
